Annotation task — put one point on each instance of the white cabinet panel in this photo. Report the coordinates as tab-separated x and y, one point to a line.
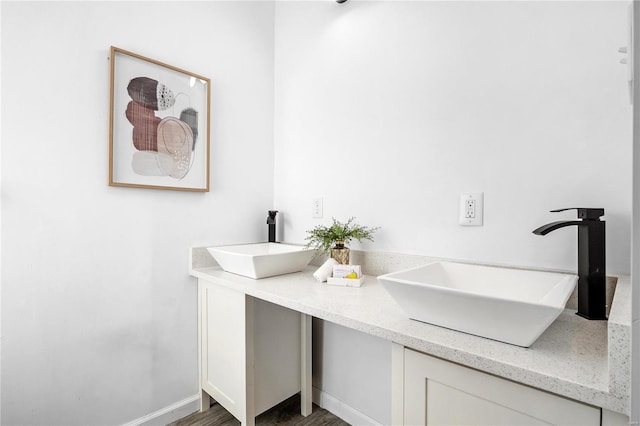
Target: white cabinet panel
250	352
438	392
450	406
276	354
223	346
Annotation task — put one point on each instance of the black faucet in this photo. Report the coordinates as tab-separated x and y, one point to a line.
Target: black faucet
591	260
271	221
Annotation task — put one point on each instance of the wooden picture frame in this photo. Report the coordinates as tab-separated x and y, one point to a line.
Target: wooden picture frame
158	125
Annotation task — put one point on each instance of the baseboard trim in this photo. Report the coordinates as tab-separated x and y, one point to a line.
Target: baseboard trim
191	404
342	410
169	414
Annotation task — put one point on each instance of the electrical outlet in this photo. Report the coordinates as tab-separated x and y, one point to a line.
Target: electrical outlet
316	208
471	209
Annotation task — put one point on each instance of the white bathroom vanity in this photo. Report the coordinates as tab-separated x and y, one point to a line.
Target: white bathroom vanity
255	351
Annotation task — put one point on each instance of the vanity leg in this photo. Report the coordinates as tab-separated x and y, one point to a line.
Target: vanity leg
397	384
249	412
205	401
306	404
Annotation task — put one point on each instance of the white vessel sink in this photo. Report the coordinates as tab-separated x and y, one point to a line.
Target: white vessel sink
263	259
510	305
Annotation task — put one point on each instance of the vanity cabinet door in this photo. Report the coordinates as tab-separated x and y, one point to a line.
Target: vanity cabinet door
438	392
223	347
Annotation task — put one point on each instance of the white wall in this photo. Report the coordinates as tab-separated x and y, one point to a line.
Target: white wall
635	251
0	224
390	110
98	312
354	368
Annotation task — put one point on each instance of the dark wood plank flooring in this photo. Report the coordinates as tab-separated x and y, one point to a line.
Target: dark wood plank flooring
286	413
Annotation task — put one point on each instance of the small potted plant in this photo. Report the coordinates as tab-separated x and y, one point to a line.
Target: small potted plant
332	239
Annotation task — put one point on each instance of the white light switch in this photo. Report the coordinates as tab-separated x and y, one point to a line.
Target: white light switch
471	209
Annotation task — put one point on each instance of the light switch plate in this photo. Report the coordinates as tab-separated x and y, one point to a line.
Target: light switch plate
316	208
471	209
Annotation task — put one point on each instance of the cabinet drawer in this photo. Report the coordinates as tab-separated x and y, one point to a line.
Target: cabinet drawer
439	392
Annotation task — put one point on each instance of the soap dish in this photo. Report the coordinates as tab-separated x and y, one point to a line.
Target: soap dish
346	282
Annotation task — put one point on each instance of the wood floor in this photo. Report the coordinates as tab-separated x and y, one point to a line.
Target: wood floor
286	413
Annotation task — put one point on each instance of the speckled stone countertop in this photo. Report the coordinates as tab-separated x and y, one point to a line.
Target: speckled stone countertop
588	361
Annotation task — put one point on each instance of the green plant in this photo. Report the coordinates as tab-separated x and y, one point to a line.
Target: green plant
322	238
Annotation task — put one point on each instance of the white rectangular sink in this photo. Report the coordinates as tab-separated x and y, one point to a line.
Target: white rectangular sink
510	305
263	259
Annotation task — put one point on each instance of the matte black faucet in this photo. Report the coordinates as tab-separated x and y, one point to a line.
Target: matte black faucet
271	221
591	260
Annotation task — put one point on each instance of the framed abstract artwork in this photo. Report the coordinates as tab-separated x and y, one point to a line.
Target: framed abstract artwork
158	125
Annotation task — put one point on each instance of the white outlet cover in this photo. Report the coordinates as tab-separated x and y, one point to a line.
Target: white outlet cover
316	208
477	219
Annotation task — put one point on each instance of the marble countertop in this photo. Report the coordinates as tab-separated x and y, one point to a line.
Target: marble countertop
584	360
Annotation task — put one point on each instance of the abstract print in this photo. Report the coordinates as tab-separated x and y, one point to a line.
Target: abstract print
164	145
